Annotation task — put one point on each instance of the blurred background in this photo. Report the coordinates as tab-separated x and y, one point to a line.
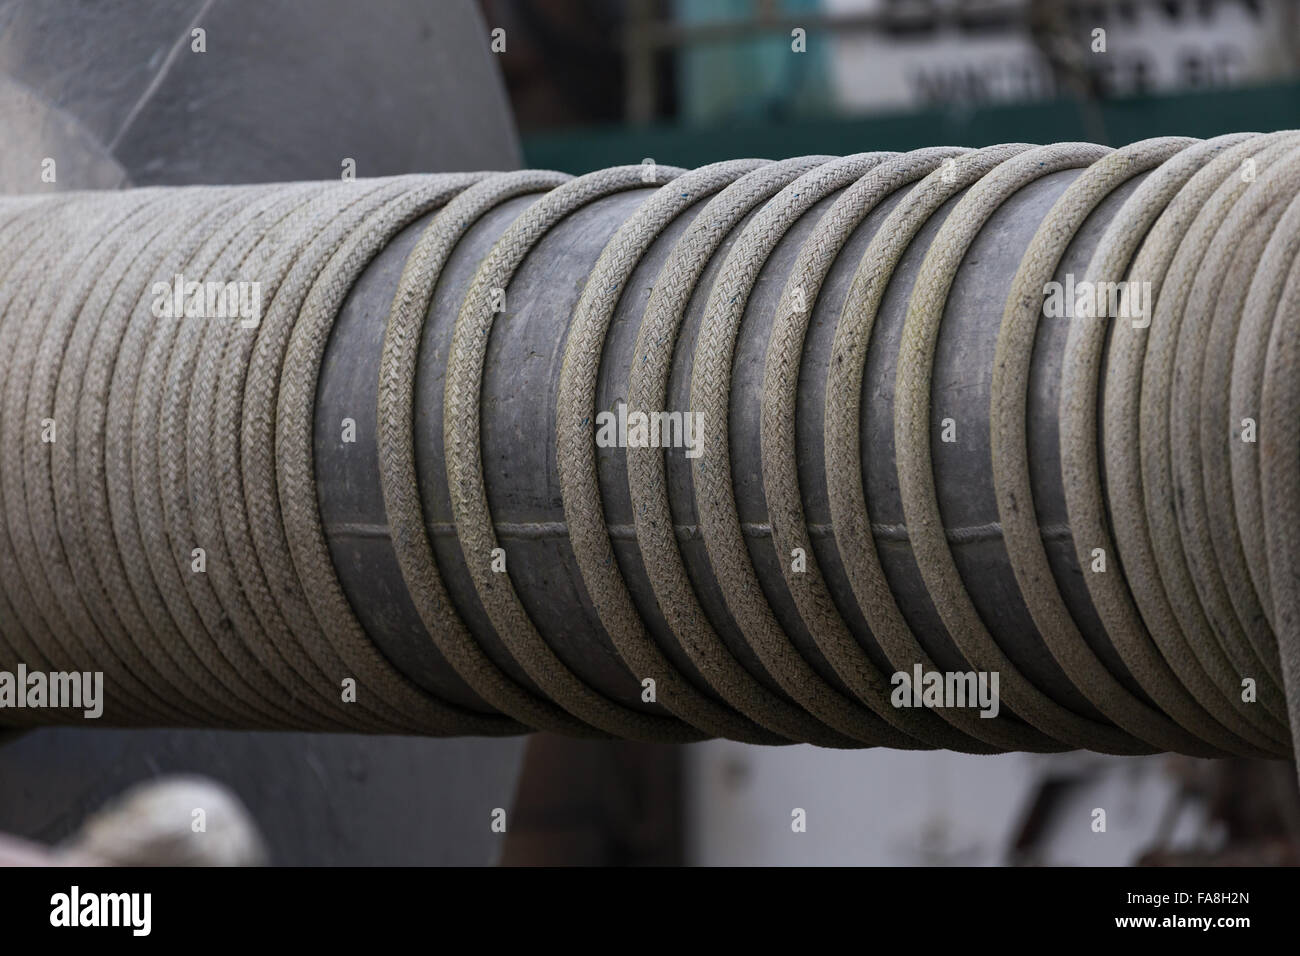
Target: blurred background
406	86
695	81
688	82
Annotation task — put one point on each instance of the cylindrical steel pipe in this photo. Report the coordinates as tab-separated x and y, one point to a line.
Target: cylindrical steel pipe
914	314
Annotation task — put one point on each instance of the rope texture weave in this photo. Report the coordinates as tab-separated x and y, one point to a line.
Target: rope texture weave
161	520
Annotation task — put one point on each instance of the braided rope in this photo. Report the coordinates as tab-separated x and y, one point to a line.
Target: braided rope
1174	617
657	338
208	674
246	255
16	643
296	472
293	262
195	434
1214	611
186	472
714	492
1205	340
790	535
69	626
1248	364
15	220
474	527
1280	478
1173	679
912	441
1010	446
396	418
187	666
576	455
850	511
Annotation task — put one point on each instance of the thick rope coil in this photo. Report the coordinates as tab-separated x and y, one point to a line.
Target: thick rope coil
712	475
161	505
1010	448
790	535
576	452
396	412
657	339
1173	680
1165	596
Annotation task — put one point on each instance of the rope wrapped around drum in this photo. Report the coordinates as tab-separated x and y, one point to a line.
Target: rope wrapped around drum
986	450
